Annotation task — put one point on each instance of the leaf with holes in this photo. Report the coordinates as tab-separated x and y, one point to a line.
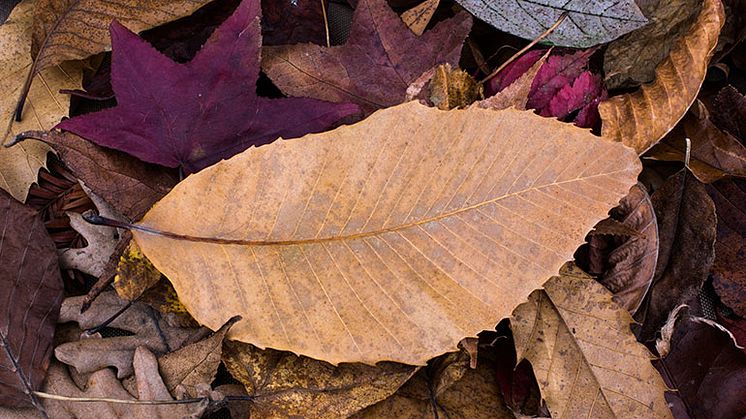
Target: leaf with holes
30	298
372	242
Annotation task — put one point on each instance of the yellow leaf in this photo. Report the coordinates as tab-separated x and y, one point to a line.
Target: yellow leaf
391	239
135	273
585	358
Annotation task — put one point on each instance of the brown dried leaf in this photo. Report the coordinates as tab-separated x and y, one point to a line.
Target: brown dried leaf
714	154
447	388
195	364
640	119
94	353
625	262
584	355
30	297
729	112
286	385
729	268
425	215
453	88
135	273
419	16
19	165
686	227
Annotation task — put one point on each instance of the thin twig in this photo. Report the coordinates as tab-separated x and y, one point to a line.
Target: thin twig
50	396
326	24
527	47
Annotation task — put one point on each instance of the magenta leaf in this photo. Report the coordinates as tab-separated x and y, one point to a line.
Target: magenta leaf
193	115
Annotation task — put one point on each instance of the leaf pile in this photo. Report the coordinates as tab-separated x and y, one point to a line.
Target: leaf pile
373	208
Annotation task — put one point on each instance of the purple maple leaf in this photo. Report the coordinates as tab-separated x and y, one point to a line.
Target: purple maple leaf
195	114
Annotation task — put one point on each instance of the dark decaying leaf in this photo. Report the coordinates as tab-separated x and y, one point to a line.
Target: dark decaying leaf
376	65
707	371
729	268
283	384
729	112
686	228
625	263
588	22
30	298
293	21
203	111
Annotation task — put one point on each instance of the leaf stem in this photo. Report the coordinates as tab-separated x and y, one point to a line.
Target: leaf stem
527	47
50	396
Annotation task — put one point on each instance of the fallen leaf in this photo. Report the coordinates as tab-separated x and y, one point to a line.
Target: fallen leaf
706	371
584	355
714	154
449	388
374	67
130	186
285	385
31	293
104	384
625	264
424	265
686	230
66	30
452	88
640	119
587	23
729	112
135	273
514	94
515	70
147	329
194	364
102	240
294	22
516	380
631	60
419	16
200	112
729	268
19	165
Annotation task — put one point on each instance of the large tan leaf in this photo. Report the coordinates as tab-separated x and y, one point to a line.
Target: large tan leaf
19	165
391	239
642	118
586	359
75	29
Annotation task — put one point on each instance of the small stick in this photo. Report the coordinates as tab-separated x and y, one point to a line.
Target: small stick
50	396
113	317
527	47
326	24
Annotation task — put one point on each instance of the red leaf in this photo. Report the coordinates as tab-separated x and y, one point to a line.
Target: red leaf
381	58
512	72
195	114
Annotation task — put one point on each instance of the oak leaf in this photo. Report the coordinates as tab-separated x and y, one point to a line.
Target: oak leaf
588	23
584	354
642	118
374	67
428	252
20	164
194	114
285	385
30	296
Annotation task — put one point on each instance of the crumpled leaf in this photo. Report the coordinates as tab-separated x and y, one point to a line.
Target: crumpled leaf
286	385
706	370
72	30
102	240
422	266
19	165
374	67
588	23
193	365
135	273
148	328
640	119
130	186
448	388
686	230
104	383
452	88
202	111
714	154
584	355
30	296
625	263
631	60
729	268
